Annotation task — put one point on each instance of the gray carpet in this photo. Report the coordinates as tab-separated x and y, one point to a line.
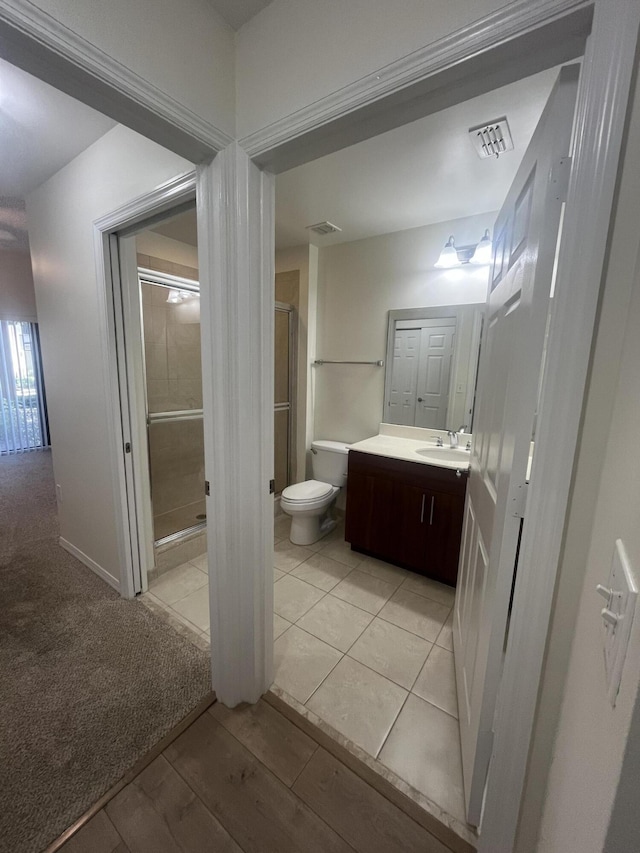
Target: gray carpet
89	682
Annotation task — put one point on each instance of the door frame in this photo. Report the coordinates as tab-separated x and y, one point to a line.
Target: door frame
124	369
237	249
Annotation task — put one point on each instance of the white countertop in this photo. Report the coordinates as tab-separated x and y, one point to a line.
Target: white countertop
405	443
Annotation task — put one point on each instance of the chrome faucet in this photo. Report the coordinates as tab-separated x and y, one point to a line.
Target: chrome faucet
453	435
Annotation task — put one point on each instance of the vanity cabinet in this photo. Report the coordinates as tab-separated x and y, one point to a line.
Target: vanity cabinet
407	513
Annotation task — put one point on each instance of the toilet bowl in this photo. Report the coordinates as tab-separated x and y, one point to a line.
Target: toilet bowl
309	503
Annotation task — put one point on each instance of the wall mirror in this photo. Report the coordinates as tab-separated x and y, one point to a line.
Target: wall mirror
432	365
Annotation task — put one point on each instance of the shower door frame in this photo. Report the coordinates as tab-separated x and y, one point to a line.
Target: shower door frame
289	309
160	279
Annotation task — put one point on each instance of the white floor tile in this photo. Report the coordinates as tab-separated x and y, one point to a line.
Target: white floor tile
281	527
280	625
341	551
336	622
201	563
195	607
385	571
437	681
286	555
277	574
293	597
301	662
364	591
391	651
359	703
178	583
321	571
445	637
415	613
421	585
424	749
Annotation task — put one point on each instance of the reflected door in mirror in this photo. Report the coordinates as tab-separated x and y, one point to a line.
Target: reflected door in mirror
420	372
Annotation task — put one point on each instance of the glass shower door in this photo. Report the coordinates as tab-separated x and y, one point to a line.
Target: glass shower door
283	396
171	322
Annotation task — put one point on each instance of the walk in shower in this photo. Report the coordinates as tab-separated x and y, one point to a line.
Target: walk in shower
284	389
171	325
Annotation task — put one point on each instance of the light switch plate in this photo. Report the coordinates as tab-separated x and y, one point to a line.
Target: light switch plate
618	617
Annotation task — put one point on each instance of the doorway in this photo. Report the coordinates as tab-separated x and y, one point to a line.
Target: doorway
375	626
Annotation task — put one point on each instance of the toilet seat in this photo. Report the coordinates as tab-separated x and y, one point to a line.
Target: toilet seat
308	492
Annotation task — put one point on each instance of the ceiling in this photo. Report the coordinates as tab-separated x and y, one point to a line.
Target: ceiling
418	174
41	130
238	12
36	142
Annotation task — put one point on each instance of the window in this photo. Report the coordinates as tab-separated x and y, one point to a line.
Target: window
23	408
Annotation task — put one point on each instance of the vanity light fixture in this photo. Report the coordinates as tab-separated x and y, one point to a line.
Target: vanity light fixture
456	256
174	297
483	252
448	256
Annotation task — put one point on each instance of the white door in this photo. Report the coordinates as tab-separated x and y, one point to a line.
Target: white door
525	240
434	370
404	376
420	373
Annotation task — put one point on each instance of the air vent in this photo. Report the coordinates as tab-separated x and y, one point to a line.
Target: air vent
324	228
491	139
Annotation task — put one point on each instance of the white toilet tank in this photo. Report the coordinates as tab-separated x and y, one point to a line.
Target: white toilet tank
329	461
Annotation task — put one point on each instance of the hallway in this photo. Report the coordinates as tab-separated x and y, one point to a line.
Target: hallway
90	681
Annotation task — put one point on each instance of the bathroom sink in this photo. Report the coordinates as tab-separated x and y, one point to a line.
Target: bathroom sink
445	454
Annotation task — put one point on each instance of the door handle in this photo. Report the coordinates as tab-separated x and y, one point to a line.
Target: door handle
422	510
433	500
419	399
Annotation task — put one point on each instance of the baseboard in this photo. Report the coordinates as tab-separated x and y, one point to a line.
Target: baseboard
89	563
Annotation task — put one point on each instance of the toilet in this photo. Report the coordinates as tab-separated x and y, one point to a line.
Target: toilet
308	503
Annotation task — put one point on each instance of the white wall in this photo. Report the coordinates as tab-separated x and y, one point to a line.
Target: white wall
358	283
117	168
592	735
181	46
297	51
17	296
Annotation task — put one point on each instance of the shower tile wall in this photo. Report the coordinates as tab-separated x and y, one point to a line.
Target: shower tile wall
174	382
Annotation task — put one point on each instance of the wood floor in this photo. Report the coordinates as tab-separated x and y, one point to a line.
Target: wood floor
250	780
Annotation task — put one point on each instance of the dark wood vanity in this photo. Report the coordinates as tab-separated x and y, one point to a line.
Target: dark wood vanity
406	513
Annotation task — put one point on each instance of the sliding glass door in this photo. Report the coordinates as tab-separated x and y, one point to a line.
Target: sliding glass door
283	395
173	372
23	407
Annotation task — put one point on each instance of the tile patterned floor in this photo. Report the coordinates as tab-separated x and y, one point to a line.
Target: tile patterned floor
364	645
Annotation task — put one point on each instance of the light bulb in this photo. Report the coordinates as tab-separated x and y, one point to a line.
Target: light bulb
484	251
448	256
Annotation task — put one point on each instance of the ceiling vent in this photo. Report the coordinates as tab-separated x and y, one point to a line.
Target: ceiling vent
491	139
324	228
